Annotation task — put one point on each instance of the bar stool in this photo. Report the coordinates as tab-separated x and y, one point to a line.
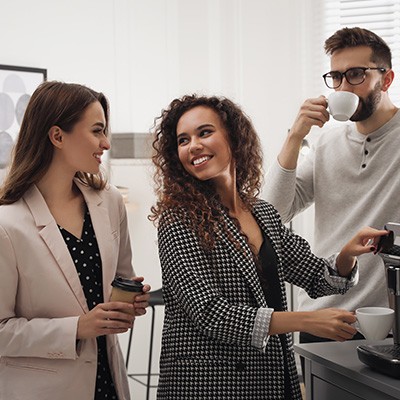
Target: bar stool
156	299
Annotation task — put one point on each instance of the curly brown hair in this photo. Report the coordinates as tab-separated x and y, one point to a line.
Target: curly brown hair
195	201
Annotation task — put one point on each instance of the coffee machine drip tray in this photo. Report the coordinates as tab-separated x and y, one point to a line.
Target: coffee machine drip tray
382	358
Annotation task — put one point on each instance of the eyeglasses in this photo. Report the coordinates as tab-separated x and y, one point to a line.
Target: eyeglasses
355	76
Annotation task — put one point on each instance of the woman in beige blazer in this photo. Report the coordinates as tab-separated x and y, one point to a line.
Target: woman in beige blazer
63	238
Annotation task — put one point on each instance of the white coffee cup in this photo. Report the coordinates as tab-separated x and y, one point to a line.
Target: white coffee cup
342	105
374	322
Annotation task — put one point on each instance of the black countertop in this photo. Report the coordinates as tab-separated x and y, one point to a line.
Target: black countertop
342	358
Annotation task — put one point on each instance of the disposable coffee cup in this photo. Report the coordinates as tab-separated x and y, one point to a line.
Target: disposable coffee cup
374	323
125	290
342	105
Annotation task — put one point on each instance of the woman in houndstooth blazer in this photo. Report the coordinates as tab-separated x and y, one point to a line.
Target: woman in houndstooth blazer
225	256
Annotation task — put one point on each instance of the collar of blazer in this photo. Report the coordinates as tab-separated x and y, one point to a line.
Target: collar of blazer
244	257
41	212
49	232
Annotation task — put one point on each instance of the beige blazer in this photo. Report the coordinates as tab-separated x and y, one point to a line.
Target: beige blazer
41	299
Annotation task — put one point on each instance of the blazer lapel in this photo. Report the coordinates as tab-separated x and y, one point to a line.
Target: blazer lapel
244	260
99	214
49	232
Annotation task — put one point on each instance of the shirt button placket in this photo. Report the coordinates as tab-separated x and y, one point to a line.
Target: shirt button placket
366	152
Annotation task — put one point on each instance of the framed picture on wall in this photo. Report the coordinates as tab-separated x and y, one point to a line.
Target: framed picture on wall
16	87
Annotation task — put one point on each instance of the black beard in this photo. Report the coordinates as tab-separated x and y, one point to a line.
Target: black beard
368	106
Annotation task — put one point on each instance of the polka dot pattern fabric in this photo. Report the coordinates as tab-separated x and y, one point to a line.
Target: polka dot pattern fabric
85	254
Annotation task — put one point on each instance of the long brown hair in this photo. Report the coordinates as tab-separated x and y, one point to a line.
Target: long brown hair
52	103
197	201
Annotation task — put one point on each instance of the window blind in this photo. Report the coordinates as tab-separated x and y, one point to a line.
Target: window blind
379	16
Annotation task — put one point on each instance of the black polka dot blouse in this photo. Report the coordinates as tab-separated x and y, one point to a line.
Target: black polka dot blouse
86	256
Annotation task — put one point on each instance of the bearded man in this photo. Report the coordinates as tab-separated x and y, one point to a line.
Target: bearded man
351	174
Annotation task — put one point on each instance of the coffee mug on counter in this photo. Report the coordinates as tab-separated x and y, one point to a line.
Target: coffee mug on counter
342	105
374	323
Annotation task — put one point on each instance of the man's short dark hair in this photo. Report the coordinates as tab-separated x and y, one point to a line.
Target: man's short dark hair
355	37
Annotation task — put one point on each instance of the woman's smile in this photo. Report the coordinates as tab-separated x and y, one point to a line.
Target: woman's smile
201	160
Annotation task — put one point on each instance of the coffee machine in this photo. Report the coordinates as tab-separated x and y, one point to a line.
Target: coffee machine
386	358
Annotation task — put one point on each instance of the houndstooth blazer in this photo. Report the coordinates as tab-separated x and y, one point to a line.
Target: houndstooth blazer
211	302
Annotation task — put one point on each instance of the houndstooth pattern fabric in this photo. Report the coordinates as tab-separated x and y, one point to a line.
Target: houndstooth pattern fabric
211	303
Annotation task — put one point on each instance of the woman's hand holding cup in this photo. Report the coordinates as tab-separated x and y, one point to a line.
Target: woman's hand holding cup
105	319
142	300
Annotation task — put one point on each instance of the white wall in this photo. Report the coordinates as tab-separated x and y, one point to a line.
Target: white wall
142	54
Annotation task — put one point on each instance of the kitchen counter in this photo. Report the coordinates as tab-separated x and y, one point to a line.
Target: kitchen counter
334	372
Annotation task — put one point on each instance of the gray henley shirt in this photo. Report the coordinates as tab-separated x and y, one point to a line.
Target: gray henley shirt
353	181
